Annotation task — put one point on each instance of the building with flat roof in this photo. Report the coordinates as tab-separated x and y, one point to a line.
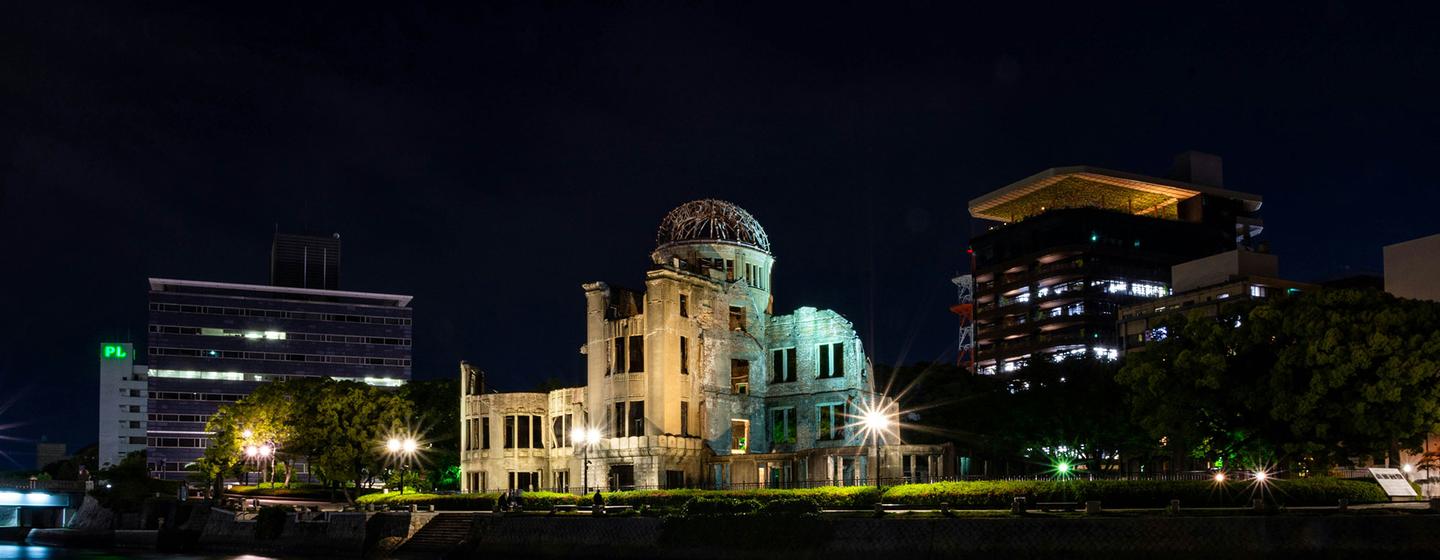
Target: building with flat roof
695	381
1412	268
1066	248
123	403
1205	286
211	343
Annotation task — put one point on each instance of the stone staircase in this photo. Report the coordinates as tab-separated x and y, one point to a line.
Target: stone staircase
444	532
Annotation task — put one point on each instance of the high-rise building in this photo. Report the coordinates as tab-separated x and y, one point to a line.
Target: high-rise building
1067	247
212	343
695	381
305	261
123	404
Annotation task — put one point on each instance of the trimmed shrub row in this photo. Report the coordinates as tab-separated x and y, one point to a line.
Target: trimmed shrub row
976	494
1138	493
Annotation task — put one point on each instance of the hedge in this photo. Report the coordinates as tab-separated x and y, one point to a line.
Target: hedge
976	494
464	502
830	497
1137	493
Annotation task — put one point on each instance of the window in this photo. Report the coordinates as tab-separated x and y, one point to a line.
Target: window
522	436
619	419
832	360
684	355
637	418
509	432
753	277
485	433
562	481
684	305
1257	291
637	354
739	377
619	365
524	480
737	318
782	425
739	435
561	430
684	418
730	270
536	431
674	479
830	422
782	365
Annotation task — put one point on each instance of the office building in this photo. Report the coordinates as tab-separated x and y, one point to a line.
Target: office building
1205	286
123	403
211	343
1066	248
694	381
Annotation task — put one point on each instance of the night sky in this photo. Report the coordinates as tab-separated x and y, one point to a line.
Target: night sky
490	159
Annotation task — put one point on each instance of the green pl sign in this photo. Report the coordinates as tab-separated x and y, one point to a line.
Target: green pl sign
113	351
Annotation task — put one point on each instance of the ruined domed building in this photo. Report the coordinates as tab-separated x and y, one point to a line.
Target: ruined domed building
694	382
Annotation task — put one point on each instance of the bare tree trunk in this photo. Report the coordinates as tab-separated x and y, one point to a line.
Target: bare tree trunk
289	468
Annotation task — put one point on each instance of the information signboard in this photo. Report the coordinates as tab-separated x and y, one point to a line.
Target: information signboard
1394	482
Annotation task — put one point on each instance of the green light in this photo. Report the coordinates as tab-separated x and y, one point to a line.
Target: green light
1094	237
113	351
1062	467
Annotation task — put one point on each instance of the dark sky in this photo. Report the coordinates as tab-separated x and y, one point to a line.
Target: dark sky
490	159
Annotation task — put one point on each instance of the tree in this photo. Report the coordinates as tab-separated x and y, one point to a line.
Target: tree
1202	388
437	408
1070	411
343	433
1358	370
1314	379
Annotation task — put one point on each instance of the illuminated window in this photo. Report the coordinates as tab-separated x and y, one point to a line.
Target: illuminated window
782	365
739	377
1257	291
739	436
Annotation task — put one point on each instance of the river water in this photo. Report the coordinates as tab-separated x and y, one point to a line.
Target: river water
30	552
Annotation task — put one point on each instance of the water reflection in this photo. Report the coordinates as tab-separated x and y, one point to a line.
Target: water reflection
31	552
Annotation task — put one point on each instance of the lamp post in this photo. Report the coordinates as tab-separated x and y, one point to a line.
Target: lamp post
251	452
585	437
405	449
876	421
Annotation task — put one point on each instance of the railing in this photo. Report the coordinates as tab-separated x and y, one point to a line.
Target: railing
50	485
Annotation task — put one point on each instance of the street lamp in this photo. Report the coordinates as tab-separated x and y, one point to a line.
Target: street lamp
406	450
876	421
251	451
585	438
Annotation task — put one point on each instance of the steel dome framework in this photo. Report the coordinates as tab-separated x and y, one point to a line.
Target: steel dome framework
711	220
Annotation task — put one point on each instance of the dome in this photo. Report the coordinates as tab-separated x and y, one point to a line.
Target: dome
711	220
